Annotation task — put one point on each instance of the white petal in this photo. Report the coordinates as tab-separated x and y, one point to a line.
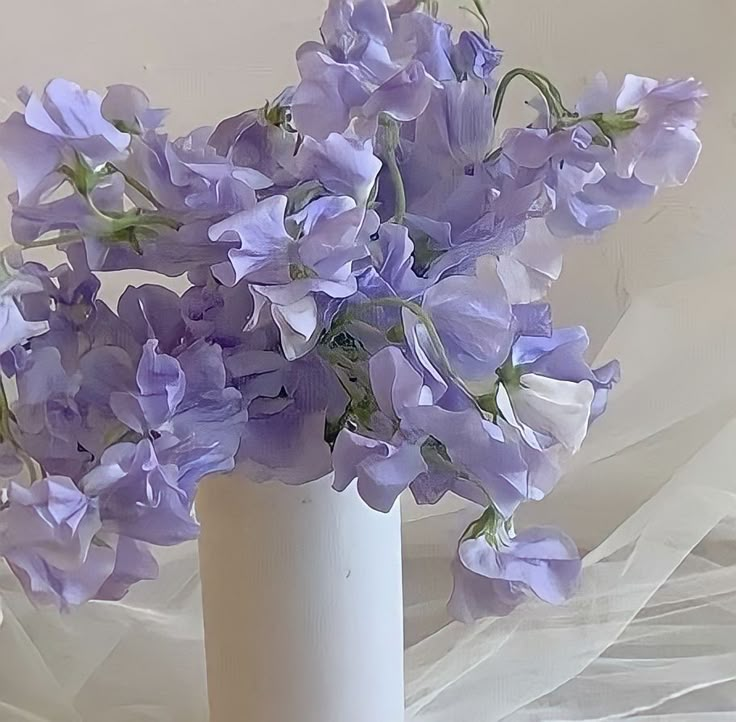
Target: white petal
560	409
298	325
14	329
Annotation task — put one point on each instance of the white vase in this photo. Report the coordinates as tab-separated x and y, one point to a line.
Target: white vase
302	598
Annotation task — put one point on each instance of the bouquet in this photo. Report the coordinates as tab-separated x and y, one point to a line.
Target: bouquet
365	262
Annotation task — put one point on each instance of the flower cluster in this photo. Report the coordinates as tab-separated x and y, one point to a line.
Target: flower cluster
367	260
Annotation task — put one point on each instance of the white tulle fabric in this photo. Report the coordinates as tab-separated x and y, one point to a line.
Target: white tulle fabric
651	497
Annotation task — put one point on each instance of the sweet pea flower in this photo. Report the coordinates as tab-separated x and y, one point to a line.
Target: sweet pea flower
473	318
289	271
14	327
548	388
60	126
343	163
475	57
493	577
46	535
353	74
139	497
659	147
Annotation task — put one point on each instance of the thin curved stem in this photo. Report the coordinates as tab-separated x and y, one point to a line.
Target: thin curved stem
548	91
479	13
137	186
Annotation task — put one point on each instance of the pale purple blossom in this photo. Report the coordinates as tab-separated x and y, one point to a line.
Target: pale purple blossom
15	328
475	56
139	497
492	578
63	124
46	535
663	148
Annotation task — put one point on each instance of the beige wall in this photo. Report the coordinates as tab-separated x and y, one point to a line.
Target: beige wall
208	58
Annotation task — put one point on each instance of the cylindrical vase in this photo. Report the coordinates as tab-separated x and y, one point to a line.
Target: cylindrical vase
302	598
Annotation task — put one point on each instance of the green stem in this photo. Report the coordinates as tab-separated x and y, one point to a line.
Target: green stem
390	138
136	185
62	239
548	91
486	525
399	190
147	219
118	224
479	13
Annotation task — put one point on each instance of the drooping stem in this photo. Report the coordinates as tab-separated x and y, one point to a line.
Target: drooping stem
548	91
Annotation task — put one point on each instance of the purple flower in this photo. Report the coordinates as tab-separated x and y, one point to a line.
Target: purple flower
440	450
161	387
205	180
343	163
15	328
475	459
289	405
419	35
358	32
56	129
353	74
663	148
403	96
475	57
258	139
207	426
382	471
65	380
290	269
491	579
139	497
50	424
583	198
46	535
616	156
153	312
392	272
216	313
264	244
457	127
549	389
129	109
474	321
